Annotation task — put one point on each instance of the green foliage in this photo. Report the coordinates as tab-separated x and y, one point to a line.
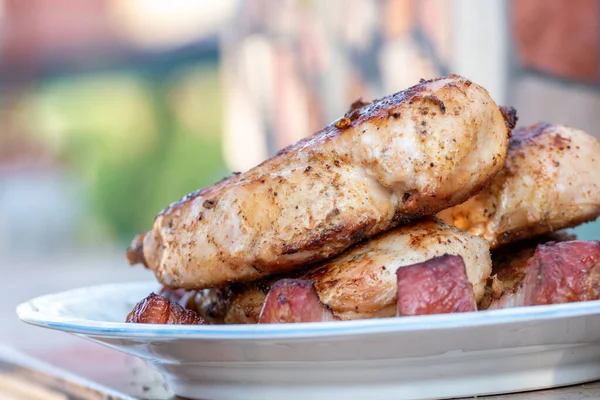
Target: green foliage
139	143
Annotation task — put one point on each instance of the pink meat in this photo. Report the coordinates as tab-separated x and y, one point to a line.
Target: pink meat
436	286
562	272
294	300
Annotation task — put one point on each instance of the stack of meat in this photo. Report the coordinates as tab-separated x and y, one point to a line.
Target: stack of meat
424	202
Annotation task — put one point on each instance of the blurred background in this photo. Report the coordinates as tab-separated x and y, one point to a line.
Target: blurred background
112	109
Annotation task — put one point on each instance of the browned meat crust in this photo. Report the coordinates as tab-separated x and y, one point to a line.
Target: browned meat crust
156	309
381	165
510	117
362	282
550	181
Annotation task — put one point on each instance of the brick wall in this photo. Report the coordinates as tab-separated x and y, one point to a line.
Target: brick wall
554	69
291	67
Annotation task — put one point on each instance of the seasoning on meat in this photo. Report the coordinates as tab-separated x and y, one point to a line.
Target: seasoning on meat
361	283
246	232
534	194
557	273
156	309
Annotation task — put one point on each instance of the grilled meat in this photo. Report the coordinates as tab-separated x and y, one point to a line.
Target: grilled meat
382	165
362	282
157	309
509	265
551	181
436	286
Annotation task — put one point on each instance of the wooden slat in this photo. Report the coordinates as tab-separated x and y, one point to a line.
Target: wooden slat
25	378
15	387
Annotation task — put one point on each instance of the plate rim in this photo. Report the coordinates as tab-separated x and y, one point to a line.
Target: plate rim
32	312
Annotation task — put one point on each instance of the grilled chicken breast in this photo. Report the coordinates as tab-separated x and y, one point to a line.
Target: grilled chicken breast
362	282
551	181
383	164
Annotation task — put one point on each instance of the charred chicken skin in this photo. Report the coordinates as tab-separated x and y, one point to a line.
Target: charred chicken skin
381	165
551	181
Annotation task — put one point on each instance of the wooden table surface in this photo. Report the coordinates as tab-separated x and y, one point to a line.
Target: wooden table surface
23	377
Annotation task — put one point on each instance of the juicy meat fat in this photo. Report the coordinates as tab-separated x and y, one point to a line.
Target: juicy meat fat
361	283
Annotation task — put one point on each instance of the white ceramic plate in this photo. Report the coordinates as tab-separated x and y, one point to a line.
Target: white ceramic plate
437	356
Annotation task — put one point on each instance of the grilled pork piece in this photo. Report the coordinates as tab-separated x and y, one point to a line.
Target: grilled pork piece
383	164
557	273
509	265
157	309
551	181
294	300
362	282
213	304
436	286
210	305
